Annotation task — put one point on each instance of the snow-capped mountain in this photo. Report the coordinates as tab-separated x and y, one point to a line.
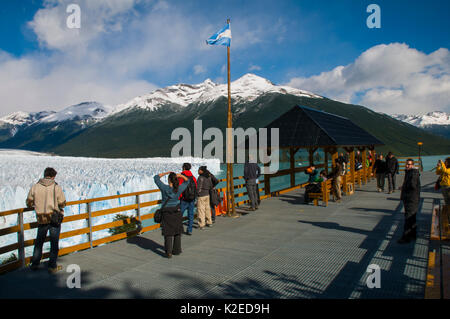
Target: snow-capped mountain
431	118
82	111
23	118
247	88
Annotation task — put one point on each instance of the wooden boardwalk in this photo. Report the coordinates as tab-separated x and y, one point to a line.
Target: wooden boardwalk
283	250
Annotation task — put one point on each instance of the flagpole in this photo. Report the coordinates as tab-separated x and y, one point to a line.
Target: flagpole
230	176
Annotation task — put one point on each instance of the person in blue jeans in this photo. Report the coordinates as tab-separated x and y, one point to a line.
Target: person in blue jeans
189	196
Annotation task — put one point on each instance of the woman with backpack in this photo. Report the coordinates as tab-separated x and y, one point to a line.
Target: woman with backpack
172	219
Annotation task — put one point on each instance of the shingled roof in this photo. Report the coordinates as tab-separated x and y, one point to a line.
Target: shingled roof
302	126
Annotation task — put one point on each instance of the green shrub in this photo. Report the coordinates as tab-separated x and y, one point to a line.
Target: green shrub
127	227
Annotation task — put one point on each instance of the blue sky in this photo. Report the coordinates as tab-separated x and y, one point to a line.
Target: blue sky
126	48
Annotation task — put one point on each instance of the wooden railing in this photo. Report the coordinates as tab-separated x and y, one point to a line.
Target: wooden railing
88	216
402	163
90	229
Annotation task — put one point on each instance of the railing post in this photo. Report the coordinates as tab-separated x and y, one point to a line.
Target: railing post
89	223
138	209
21	239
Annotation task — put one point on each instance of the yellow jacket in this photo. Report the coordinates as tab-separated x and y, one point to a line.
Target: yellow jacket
445	174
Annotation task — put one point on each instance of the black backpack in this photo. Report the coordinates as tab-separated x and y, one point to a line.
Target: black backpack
190	193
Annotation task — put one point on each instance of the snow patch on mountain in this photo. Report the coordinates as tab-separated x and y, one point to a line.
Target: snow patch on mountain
431	118
24	118
247	88
82	111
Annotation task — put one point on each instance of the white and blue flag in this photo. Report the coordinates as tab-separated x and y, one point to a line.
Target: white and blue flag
223	37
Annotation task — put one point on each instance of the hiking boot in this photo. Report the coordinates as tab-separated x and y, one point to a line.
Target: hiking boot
54	270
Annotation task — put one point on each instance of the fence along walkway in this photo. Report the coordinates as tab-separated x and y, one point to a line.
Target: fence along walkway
21	227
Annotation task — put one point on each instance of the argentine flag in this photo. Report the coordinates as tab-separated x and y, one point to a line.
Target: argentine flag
223	37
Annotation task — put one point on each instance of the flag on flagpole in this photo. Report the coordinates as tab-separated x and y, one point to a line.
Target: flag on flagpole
222	37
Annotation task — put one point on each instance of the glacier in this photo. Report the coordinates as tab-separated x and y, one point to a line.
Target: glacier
82	178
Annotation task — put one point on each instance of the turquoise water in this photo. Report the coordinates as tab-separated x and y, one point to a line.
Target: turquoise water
281	182
429	162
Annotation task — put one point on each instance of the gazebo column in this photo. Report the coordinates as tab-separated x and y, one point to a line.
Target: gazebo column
292	161
311	151
351	151
267	176
325	152
334	155
372	154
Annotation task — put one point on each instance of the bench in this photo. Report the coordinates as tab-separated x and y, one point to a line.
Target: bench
324	195
347	184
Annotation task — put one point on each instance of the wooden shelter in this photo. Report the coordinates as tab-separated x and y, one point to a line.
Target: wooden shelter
305	128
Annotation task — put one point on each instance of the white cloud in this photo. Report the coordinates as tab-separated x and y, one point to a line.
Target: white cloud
120	43
391	78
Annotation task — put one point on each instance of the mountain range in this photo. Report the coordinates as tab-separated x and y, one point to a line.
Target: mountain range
436	122
142	127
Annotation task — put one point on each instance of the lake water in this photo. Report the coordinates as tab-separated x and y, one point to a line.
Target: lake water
281	182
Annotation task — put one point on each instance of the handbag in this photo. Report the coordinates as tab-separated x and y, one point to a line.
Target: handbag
214	197
56	218
437	185
157	217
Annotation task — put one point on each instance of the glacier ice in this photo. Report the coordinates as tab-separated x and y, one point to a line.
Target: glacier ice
83	178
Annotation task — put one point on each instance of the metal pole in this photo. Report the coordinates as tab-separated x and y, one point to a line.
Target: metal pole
230	175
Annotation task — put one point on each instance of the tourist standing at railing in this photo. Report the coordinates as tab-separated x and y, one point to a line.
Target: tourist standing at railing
214	197
47	198
172	219
443	170
336	175
379	169
203	203
391	171
410	197
189	196
252	172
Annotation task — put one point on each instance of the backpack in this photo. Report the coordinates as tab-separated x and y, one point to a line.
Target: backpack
190	193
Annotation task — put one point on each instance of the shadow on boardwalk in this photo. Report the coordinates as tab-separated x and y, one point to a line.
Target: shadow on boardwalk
316	253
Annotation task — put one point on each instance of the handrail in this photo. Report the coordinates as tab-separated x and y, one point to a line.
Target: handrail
21	227
21	244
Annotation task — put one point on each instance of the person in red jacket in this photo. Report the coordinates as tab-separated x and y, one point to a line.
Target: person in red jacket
188	197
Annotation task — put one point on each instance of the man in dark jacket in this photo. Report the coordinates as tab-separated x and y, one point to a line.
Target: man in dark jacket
379	168
204	186
251	173
410	196
391	171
